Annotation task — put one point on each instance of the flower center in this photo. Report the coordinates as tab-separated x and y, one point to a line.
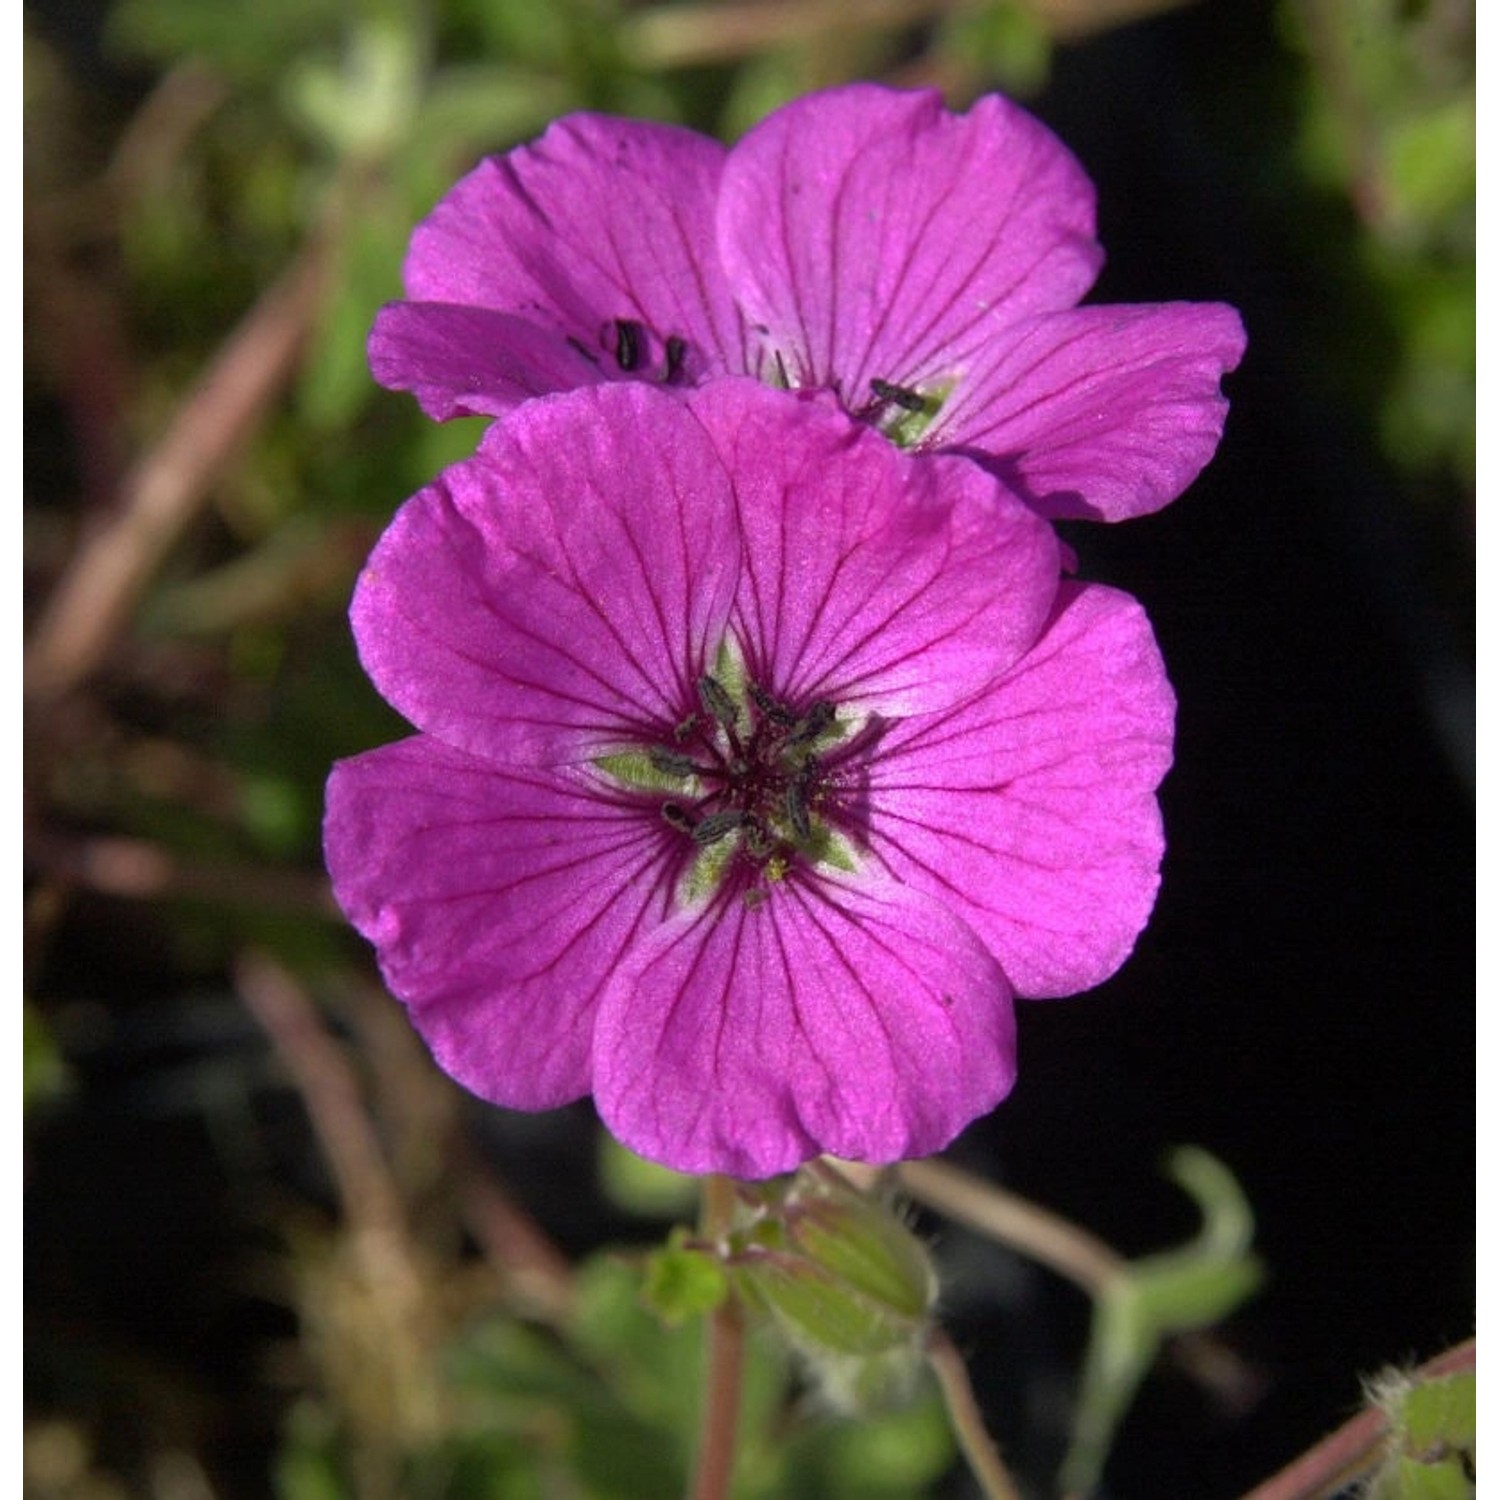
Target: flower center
752	791
903	413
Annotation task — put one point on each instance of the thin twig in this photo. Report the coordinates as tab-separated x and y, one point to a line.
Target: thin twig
159	496
534	1270
330	1090
690	35
679	36
1356	1448
1062	1247
718	1432
979	1449
138	870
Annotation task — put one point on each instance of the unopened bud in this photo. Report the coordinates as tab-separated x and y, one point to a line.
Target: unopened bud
846	1282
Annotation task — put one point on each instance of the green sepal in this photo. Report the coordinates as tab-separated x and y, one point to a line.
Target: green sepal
837	1271
866	1246
818	1313
635	768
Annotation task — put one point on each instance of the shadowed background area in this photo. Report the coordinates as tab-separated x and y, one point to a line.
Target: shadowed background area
268	1247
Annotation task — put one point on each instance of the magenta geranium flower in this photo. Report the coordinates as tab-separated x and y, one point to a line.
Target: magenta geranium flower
922	266
759	766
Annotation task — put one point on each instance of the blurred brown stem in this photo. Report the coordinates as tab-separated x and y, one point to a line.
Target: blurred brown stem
678	36
160	494
139	870
329	1089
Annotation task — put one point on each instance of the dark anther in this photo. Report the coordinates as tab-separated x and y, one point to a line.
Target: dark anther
786	380
816	720
717	824
900	395
796	808
683	730
630	339
717	701
675	815
776	712
583	349
677	349
671	762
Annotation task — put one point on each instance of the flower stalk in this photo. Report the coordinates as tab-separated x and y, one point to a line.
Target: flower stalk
979	1450
724	1360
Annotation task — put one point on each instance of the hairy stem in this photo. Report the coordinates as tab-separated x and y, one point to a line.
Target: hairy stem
1053	1242
718	1428
1327	1468
979	1450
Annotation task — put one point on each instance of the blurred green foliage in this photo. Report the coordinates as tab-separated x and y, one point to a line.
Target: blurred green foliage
1174	1291
606	1409
1388	123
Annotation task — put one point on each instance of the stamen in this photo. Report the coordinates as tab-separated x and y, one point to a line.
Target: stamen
629	344
672	762
796	805
778	713
899	395
675	815
817	719
717	701
677	348
717	825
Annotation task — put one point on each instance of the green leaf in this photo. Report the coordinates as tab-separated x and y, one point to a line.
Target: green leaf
1157	1296
683	1283
1440	1413
362	104
1432	1437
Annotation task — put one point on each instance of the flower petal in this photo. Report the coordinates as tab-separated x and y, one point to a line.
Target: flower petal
871	577
1101	412
601	219
1031	811
499	904
873	235
567	582
865	1022
470	361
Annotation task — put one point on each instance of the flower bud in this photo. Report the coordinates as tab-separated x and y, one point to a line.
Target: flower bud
846	1282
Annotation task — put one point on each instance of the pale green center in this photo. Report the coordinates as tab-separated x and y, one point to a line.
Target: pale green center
748	782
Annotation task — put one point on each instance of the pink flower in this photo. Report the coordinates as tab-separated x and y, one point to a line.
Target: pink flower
758	765
922	266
